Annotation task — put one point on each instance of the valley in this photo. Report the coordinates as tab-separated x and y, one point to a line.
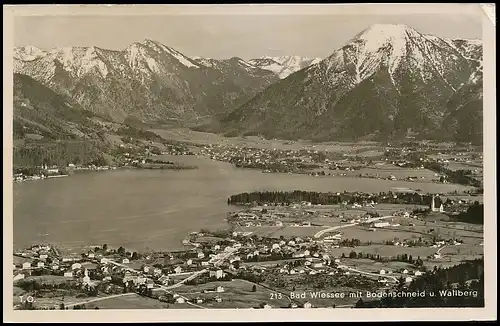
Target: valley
145	178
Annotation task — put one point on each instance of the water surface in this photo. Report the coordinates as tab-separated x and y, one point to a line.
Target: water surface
155	209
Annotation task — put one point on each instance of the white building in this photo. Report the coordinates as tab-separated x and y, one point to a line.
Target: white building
26	265
86	278
76	266
307	305
381	224
437	206
219	273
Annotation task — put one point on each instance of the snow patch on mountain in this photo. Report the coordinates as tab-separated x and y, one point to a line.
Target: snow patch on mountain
28	53
283	66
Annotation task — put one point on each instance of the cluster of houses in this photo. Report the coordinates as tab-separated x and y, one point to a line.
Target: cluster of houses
269	160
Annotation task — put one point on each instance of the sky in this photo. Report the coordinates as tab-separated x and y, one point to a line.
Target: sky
245	34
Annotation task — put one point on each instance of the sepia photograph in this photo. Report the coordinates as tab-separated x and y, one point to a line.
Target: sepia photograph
249	160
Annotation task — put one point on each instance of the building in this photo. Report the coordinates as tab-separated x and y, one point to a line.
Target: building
307	305
40	264
164	280
125	261
180	300
26	265
418	273
76	266
219	273
381	224
437	204
18	277
86	278
178	270
218	299
382	272
68	274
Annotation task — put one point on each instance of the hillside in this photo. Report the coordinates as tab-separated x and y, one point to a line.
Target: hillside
48	126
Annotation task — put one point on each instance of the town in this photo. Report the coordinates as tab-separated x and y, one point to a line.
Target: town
276	245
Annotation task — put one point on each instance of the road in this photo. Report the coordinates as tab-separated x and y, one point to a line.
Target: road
196	274
439	250
166	288
333	228
367	273
98	299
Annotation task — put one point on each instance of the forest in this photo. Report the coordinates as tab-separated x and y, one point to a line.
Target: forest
330	198
59	153
467	276
474	214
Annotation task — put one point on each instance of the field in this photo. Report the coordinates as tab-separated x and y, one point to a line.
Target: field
204	138
237	294
385	171
287	231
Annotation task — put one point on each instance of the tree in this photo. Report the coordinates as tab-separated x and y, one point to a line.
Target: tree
121	251
61	306
360	303
105	247
254	288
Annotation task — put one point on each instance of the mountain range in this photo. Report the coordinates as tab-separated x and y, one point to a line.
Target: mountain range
384	82
147	80
285	65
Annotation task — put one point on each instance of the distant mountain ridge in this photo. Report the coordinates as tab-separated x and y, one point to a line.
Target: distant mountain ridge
283	66
147	80
386	80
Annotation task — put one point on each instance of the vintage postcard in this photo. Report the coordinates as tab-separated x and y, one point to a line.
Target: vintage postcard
249	162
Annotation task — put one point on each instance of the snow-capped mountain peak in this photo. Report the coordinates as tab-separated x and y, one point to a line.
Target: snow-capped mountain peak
386	78
28	53
283	66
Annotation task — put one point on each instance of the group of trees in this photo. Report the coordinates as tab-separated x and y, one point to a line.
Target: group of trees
350	242
401	257
463	177
467	276
327	198
59	153
474	214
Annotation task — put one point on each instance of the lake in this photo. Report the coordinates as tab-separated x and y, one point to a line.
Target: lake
156	209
